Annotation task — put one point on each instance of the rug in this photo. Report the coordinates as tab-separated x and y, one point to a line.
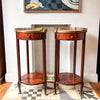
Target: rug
36	92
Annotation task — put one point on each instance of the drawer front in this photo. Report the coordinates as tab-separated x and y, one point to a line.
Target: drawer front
31	36
69	36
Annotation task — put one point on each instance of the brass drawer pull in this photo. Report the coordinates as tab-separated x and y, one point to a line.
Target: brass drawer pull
72	36
28	36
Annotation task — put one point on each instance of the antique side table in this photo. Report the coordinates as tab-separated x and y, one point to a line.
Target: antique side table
71	34
31	34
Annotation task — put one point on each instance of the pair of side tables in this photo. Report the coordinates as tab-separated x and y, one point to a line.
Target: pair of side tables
39	33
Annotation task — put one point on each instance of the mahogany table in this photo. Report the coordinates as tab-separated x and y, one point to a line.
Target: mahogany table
31	34
71	34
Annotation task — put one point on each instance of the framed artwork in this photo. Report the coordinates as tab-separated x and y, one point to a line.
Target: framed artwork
51	5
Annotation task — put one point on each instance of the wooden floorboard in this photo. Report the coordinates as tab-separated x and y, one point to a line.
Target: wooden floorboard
96	87
4	87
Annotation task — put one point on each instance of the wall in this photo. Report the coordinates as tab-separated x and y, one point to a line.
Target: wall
15	17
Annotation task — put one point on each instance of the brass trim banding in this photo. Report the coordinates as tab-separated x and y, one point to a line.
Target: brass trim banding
31	30
71	30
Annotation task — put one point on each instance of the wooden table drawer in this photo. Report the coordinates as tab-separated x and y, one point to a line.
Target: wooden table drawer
69	36
31	36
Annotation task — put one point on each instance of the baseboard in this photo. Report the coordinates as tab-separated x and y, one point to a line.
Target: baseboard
87	77
11	77
2	79
93	77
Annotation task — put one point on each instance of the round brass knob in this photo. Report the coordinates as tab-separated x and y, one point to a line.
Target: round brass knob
28	36
72	36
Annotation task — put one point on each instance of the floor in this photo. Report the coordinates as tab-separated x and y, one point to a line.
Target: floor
96	87
4	87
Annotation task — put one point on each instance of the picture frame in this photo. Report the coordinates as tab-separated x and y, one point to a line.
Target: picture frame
51	6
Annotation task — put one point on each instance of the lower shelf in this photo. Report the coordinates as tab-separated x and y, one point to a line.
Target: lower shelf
32	79
68	79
